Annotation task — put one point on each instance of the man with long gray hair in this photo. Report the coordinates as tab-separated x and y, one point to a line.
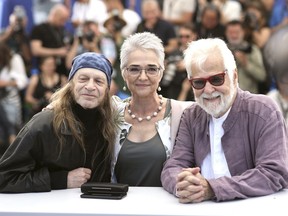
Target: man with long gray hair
70	144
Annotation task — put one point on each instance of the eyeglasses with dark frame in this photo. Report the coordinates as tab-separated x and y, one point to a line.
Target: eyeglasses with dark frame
215	80
149	70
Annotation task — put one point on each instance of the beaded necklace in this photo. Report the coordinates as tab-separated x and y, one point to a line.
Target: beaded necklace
149	117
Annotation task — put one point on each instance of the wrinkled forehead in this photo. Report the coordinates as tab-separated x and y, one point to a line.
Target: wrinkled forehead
212	63
90	73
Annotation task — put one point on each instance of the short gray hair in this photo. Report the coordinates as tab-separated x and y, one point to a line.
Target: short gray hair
198	51
142	41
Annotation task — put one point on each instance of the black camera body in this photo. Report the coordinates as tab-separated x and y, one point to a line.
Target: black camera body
250	21
86	35
171	68
117	24
89	36
116	21
244	46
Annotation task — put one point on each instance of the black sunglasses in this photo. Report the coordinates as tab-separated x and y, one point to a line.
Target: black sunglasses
215	80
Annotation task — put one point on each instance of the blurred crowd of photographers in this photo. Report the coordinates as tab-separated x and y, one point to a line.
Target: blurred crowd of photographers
71	27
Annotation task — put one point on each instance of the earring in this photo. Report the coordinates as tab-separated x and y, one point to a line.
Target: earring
124	88
159	89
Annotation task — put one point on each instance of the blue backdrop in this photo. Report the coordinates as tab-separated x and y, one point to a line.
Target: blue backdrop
6	8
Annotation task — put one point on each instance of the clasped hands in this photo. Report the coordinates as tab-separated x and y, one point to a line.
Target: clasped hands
192	187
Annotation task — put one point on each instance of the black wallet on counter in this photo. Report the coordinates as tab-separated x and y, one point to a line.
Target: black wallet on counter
99	190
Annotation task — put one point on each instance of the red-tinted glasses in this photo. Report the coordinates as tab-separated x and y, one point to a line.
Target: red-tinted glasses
215	80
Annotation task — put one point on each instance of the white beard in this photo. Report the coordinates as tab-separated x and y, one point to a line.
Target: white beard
216	109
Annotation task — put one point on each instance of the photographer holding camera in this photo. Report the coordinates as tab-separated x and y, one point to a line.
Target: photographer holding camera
248	57
49	38
114	26
88	38
15	36
175	75
255	23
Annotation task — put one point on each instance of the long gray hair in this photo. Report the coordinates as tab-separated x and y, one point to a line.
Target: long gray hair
62	102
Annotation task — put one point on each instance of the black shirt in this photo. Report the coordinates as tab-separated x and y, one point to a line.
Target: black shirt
137	168
163	29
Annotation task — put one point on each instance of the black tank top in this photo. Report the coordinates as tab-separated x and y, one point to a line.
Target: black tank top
140	164
41	89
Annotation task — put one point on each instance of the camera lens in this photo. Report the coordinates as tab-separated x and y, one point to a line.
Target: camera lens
89	36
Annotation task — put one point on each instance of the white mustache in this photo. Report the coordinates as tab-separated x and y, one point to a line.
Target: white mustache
211	96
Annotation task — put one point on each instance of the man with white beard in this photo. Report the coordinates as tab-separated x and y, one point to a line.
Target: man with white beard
231	144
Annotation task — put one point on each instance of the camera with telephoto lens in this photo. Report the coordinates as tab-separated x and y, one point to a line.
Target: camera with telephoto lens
170	70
